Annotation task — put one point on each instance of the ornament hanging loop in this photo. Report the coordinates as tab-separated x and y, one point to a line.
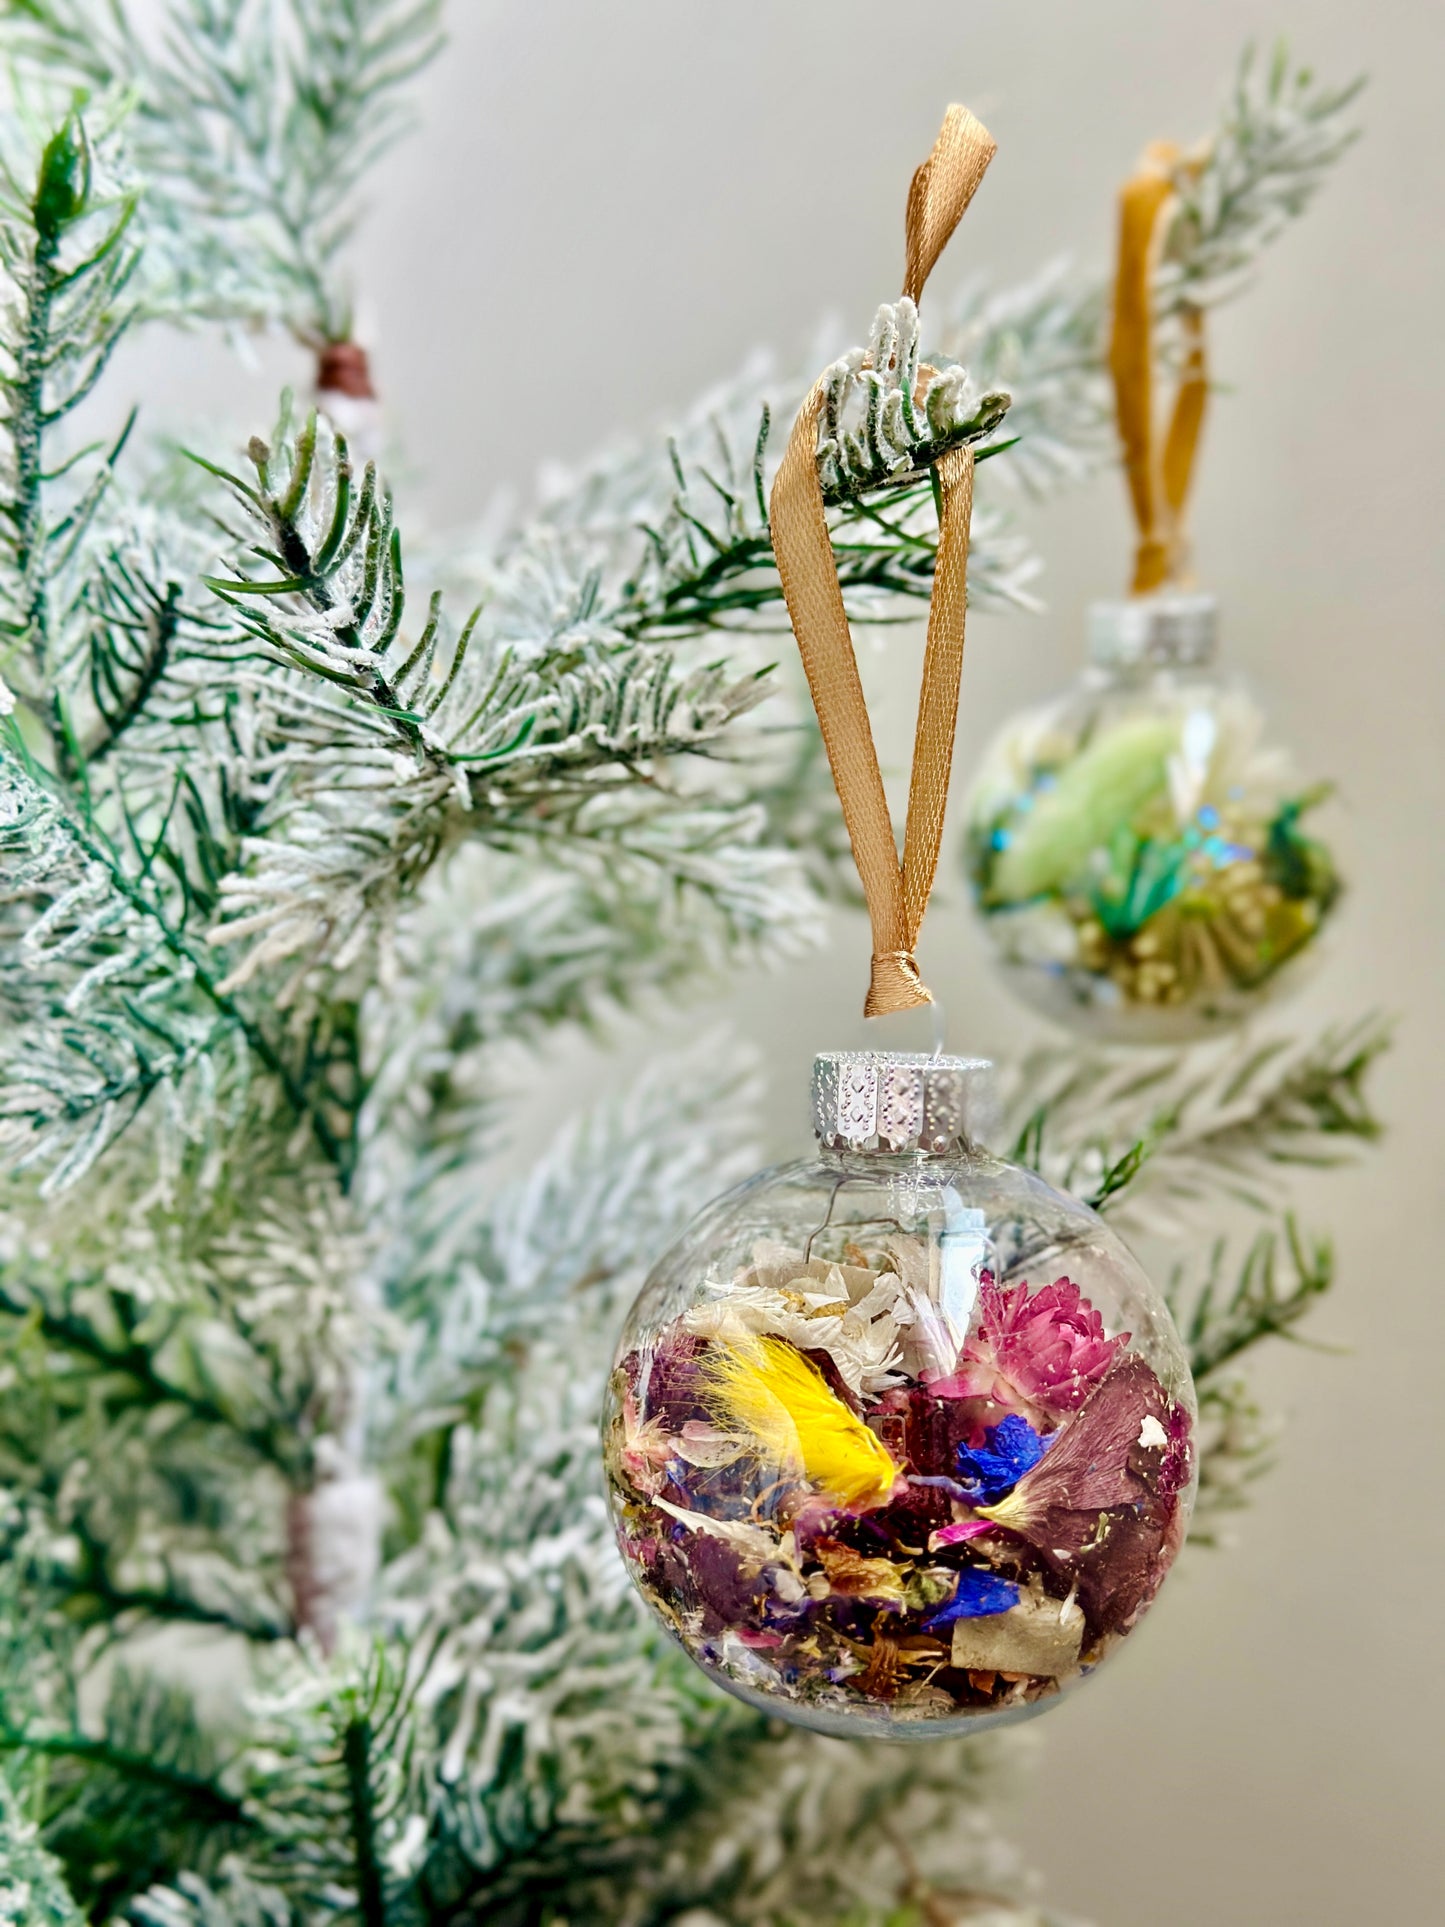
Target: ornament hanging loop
896	891
940	191
1159	476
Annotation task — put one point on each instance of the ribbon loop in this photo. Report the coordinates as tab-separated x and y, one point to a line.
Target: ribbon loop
1158	480
896	892
940	191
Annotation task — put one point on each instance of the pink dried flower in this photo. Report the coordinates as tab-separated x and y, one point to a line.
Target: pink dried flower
646	1449
1045	1351
959	1533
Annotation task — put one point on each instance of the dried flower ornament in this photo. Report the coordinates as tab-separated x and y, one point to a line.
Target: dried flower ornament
874	1458
1137	850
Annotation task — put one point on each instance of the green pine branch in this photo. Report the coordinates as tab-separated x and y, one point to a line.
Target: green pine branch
136	1353
1306	1107
391	749
672	540
1222	1314
124	1805
115	999
235	1897
255	130
196	1349
1236	1450
1161	1133
332	1781
708	562
1281	134
202	1797
82	1585
135	631
66	253
1281	1277
488	1274
33	1892
162	1530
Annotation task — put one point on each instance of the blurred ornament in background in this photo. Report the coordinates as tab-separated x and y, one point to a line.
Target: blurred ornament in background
899	1439
1140	852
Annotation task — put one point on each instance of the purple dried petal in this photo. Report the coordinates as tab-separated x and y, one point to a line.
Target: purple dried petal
1090	1464
672	1387
1092	1507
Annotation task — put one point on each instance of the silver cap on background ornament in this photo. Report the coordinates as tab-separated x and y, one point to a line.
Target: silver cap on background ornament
866	1100
1162	631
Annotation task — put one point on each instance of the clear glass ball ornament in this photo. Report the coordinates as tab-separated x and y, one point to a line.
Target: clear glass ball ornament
1142	856
899	1439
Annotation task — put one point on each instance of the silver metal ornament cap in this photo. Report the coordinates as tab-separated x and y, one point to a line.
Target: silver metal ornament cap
897	1100
1163	631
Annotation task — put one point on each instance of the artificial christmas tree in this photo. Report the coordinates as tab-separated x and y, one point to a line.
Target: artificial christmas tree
310	1605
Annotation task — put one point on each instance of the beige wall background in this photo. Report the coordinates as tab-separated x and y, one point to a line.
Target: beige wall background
619	201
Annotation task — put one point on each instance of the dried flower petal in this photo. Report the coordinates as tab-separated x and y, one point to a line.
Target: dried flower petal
768	1390
1045	1350
1177	1465
1093	1506
754	1546
1037	1636
856	1577
705	1446
987	1472
1089	1466
960	1532
978	1594
840	1310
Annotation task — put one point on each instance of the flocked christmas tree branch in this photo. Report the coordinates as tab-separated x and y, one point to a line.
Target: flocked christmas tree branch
1281	133
1223	1129
253	129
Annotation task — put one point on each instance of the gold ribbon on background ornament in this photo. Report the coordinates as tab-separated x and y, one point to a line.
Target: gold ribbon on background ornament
896	891
1159	477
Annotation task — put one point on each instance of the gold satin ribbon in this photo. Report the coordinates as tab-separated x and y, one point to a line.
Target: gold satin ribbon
1159	479
896	892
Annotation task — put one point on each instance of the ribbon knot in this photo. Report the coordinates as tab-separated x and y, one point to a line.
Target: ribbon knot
897	891
894	984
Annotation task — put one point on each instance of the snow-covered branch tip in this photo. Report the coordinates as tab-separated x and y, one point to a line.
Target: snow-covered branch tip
67	260
1222	1130
1281	133
887	418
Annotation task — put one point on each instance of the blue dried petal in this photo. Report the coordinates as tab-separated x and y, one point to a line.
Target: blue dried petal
979	1595
988	1472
